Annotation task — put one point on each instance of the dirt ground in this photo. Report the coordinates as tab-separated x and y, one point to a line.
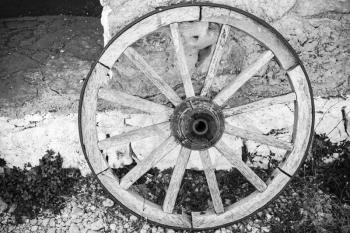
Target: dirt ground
44	60
20	8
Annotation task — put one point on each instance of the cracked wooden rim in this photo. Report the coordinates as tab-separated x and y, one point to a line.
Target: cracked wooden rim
95	87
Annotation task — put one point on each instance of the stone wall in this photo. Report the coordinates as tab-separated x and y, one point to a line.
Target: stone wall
317	29
44	61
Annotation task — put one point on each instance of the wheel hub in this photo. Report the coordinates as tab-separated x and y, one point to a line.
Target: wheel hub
197	123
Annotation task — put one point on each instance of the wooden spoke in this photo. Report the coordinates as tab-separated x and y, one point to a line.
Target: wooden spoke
257	137
242	78
181	59
131	101
147	163
176	179
264	103
135	135
215	60
212	182
149	72
243	168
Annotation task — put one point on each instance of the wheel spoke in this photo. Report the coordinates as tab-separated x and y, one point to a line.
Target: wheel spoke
212	182
257	137
243	168
160	129
176	179
147	163
282	99
242	78
150	73
181	60
131	101
215	60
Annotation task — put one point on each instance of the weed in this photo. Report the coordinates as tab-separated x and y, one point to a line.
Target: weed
38	188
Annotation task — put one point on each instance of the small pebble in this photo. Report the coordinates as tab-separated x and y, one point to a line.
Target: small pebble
12	209
33	222
97	225
126	226
113	227
133	218
76	211
73	228
108	203
52	222
51	230
268	216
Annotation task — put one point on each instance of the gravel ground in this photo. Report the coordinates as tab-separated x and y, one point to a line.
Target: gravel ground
94	212
90	210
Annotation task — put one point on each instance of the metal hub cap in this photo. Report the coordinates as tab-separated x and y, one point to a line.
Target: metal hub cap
197	123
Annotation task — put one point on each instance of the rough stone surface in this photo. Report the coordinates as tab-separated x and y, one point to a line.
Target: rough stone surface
321	42
44	60
323	45
268	10
312	7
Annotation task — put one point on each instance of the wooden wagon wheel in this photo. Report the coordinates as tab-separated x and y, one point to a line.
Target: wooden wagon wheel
195	122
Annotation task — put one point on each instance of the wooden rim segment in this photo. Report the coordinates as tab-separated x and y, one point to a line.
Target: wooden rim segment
140	205
88	119
147	25
304	121
94	88
255	29
243	207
